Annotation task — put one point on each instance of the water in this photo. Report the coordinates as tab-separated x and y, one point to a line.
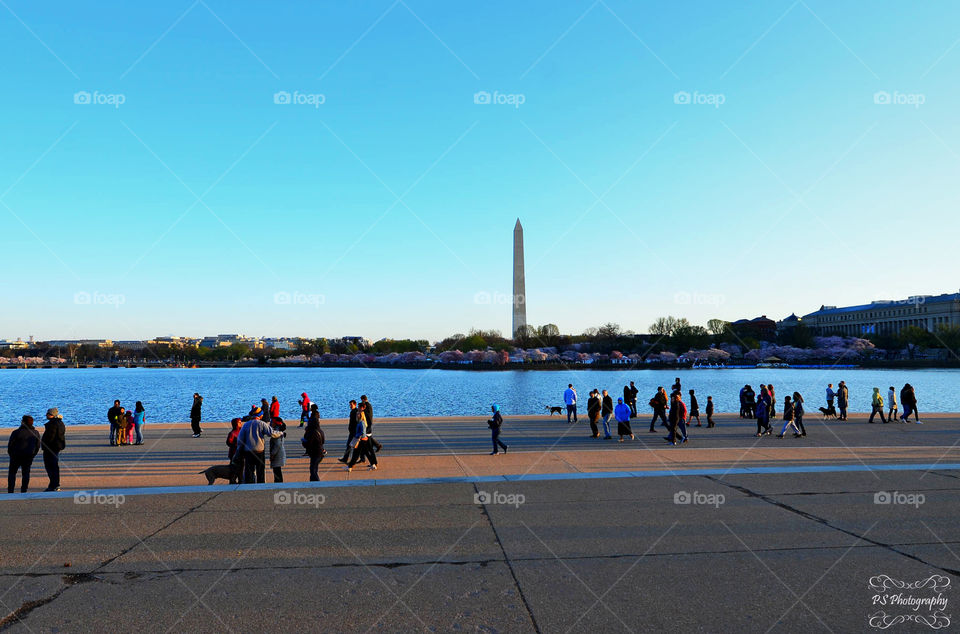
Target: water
84	395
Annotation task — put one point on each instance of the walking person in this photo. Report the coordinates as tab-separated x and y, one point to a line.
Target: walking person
659	405
843	399
622	414
278	453
709	411
351	431
195	414
22	447
763	418
908	397
139	418
496	425
250	443
877	406
788	415
368	413
570	399
304	408
113	417
313	441
593	413
678	420
632	401
694	408
52	442
362	446
892	404
798	412
606	411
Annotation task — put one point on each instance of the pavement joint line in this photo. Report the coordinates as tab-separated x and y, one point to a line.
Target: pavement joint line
824	522
532	477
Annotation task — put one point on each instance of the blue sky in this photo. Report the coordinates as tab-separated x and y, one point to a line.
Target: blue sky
699	159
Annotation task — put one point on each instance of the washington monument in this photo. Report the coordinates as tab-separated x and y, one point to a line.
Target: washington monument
519	281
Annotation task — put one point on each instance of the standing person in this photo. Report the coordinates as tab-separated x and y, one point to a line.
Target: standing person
139	418
877	406
788	418
593	413
606	411
676	386
52	443
496	424
892	404
843	399
362	445
710	424
351	431
570	398
798	412
122	427
763	418
304	408
313	441
678	420
743	401
368	414
265	408
773	400
113	417
195	414
695	408
22	447
250	443
131	428
622	414
908	397
751	400
659	405
632	401
274	408
278	453
232	438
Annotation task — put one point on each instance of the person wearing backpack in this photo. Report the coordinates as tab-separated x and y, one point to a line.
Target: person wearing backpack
52	442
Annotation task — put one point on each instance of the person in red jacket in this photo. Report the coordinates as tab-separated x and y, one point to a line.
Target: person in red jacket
232	438
274	408
305	407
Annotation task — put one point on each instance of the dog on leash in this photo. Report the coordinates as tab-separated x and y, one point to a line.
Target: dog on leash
830	412
228	472
555	410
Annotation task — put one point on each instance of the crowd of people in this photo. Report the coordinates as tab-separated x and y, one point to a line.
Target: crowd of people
126	427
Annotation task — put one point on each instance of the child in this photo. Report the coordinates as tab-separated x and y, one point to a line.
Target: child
122	427
131	428
892	403
788	418
709	412
694	408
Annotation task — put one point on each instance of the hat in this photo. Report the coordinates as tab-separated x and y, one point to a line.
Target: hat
53	412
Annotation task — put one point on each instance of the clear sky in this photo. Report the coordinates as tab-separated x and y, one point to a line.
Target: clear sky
701	159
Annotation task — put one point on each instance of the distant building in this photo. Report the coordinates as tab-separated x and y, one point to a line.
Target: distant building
63	343
760	327
130	345
360	342
19	344
886	317
788	323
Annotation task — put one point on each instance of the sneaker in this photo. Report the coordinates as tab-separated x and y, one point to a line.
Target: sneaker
349	469
373	467
919	423
493	453
196	435
341	460
779	435
505	449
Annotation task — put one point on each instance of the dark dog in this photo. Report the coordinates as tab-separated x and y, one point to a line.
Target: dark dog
226	472
829	413
555	410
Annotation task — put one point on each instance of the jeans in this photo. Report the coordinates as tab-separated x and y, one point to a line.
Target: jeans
253	467
497	442
843	411
315	467
139	433
51	462
23	464
364	449
114	429
606	425
799	421
681	426
633	407
572	410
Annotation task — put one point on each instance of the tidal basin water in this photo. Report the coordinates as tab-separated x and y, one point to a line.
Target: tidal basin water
84	395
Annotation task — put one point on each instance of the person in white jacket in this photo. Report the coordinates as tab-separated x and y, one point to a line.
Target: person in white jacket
892	403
